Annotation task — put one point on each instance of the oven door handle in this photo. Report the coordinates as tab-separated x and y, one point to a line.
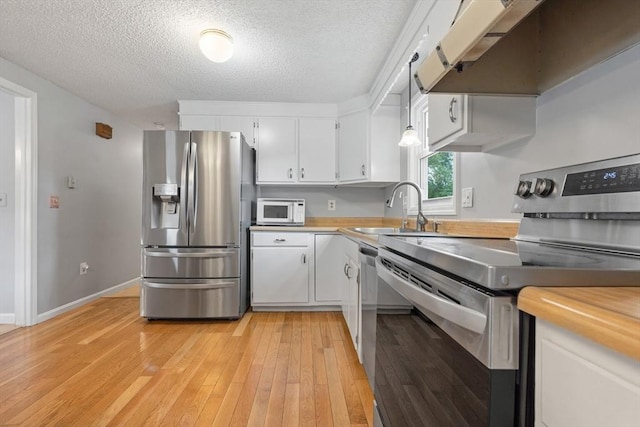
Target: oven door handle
462	316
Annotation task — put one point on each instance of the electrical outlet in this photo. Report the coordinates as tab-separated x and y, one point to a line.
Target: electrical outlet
331	205
467	197
84	268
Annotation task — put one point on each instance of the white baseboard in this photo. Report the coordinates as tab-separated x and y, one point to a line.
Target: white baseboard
82	301
7	318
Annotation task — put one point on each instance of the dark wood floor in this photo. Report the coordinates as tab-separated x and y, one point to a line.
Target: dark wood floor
102	364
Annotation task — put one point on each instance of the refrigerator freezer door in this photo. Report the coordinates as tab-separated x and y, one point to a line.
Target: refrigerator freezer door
164	192
190	299
216	174
190	262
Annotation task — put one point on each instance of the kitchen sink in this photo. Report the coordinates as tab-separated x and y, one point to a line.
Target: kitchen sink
375	230
390	230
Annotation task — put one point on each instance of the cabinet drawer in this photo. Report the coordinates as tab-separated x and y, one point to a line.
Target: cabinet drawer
279	239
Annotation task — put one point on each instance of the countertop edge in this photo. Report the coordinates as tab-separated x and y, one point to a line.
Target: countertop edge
613	329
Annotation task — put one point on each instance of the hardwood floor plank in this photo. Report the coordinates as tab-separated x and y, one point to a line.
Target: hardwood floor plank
366	398
291	415
103	365
228	406
324	414
242	325
307	400
339	407
275	407
124	398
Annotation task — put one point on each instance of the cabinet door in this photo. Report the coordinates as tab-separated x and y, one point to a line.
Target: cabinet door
353	301
354	137
238	124
317	147
329	274
603	386
276	150
280	275
447	115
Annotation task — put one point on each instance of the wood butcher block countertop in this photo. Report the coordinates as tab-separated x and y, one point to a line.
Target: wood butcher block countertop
608	316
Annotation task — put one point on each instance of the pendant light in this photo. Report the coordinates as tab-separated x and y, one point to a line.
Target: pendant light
410	136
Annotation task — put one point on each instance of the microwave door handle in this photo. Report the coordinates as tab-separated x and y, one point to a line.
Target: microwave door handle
193	184
184	199
462	316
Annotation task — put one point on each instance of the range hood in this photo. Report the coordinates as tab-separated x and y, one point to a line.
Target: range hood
524	47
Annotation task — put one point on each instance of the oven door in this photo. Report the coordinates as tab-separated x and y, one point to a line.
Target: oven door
452	361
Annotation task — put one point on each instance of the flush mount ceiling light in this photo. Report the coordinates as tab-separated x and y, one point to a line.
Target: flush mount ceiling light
410	136
216	45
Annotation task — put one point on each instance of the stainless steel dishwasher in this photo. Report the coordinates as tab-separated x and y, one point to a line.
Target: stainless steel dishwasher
375	296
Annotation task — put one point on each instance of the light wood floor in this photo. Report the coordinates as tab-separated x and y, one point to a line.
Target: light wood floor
103	365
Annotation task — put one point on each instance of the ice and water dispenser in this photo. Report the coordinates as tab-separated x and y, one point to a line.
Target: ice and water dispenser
166	200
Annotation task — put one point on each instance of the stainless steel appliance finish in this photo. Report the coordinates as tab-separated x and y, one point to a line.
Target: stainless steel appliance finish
198	191
580	227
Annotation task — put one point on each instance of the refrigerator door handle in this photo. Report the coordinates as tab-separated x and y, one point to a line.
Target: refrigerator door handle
184	224
193	183
190	254
187	286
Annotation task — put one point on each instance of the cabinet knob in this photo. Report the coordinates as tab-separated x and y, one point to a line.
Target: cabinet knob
290	173
363	170
303	258
280	240
302	173
452	117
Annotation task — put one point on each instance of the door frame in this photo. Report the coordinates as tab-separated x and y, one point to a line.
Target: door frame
26	201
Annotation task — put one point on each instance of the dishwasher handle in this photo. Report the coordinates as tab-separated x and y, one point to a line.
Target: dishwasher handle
368	256
462	316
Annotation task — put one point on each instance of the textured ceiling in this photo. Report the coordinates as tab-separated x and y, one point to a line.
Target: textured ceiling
135	58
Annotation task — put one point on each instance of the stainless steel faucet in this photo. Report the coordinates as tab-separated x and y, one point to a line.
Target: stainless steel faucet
421	220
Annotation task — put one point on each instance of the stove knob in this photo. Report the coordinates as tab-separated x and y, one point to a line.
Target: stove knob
543	187
524	189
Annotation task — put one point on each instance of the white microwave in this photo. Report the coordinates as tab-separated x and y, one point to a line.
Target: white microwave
280	212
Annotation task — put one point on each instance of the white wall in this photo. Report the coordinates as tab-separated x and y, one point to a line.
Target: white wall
350	201
7	185
594	116
99	221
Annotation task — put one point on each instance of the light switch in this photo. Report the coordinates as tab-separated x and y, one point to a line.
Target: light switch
3	200
71	181
467	197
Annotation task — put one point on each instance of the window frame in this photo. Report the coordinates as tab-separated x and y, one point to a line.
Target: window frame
415	155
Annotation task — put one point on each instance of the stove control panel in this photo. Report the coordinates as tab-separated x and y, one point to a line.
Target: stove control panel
618	179
605	186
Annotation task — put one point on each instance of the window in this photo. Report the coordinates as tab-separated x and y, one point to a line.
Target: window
434	172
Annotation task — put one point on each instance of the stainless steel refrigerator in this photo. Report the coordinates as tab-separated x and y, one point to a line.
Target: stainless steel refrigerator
198	192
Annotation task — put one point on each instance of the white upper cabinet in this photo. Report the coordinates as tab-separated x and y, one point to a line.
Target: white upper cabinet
478	123
354	137
276	150
317	150
369	150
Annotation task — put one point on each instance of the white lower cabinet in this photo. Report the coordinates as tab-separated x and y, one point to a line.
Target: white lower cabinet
280	268
329	255
351	301
581	383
